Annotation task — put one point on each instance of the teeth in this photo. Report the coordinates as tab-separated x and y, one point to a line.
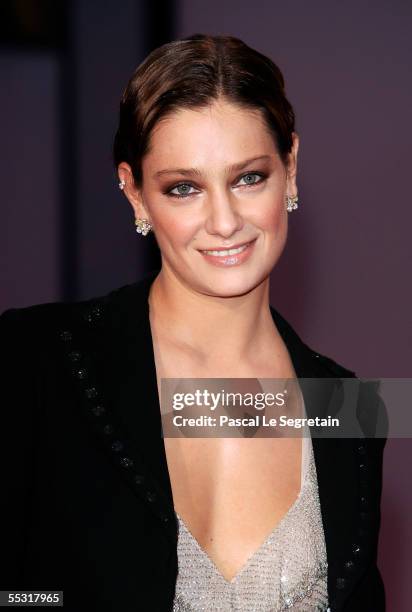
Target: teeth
228	252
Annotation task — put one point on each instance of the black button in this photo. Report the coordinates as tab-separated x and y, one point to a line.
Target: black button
139	478
66	335
126	462
165	518
364	516
349	565
362	466
150	496
108	429
363	500
93	314
91	392
75	355
356	549
340	583
361	449
81	374
117	446
98	410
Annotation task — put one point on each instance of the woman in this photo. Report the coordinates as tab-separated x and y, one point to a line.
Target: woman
98	504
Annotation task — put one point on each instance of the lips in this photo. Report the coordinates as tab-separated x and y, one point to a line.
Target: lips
227	251
234	256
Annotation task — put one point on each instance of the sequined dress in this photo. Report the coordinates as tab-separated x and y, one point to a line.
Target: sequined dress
287	572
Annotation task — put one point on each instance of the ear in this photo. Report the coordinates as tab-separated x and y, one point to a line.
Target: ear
291	185
131	191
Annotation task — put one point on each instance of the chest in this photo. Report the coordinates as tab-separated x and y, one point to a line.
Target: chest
230	492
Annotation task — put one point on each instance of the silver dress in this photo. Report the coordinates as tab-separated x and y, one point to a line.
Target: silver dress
287	572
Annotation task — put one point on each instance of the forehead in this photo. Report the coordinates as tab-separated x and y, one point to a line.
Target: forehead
219	133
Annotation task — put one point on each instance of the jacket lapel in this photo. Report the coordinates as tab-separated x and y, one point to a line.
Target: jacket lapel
128	363
337	463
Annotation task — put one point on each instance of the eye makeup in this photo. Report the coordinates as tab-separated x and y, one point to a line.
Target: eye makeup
262	176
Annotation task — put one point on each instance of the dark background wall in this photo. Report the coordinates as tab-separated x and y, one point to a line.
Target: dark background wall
344	279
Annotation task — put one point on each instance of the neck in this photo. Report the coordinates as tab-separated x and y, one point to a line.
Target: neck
212	326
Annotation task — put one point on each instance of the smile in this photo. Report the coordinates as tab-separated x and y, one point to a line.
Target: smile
225	253
229	257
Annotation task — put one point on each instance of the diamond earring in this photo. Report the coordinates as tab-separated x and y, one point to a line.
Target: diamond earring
291	202
143	226
122	184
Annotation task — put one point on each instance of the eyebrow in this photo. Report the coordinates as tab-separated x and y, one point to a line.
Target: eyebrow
197	172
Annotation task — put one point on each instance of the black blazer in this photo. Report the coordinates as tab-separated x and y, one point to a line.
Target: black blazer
86	498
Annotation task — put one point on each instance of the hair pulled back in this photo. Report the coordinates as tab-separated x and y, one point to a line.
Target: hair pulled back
193	72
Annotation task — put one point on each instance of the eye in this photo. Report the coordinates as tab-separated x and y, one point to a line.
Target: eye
184	190
252	178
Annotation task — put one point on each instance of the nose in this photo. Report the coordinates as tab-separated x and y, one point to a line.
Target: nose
223	217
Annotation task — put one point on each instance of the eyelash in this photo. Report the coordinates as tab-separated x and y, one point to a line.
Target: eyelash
181	196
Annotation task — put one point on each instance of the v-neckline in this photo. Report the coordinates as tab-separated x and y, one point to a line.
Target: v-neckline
305	451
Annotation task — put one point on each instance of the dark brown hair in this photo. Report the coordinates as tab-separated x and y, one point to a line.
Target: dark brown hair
192	72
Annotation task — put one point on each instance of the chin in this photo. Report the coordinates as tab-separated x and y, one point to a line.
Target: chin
231	284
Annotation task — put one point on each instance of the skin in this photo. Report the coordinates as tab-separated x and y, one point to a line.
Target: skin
220	210
209	321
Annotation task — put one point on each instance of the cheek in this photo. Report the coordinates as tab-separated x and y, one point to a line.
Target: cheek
172	227
273	215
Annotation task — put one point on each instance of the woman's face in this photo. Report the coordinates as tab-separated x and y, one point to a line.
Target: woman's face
214	191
